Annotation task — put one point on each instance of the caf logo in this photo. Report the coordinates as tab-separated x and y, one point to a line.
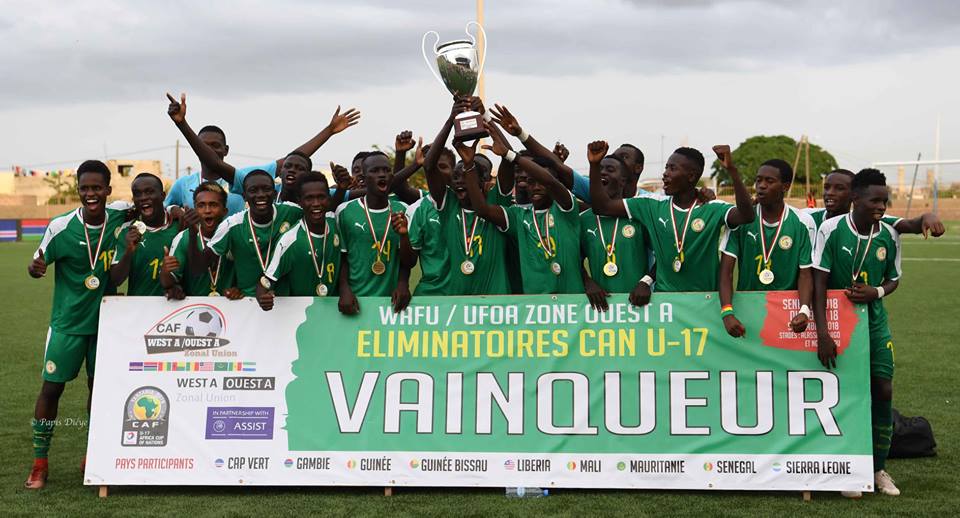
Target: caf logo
882	253
786	242
549	219
697	225
285	226
628	231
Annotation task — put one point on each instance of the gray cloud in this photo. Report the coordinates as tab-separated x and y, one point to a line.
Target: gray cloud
60	53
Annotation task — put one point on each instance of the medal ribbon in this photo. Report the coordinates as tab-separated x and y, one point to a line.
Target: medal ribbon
313	251
256	242
773	244
468	242
857	252
86	234
213	275
373	233
613	240
546	247
680	239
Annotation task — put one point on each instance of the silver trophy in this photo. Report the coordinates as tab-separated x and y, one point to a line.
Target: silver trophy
458	70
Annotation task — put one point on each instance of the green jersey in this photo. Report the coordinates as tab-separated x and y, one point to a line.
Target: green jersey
698	231
483	269
215	279
309	262
252	244
68	244
819	215
548	246
364	251
627	244
425	237
788	252
844	253
144	279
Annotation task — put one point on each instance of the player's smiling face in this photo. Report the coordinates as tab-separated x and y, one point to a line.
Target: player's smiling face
870	203
612	177
210	208
377	175
768	185
539	195
458	182
148	198
836	192
258	191
93	190
313	199
293	167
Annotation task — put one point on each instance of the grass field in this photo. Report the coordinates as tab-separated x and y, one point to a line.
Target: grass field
925	322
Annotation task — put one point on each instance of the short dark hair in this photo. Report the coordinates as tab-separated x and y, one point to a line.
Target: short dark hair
213	129
693	155
213	187
844	172
303	156
445	152
867	178
94	166
372	154
148	175
359	156
311	177
786	172
487	165
254	173
635	148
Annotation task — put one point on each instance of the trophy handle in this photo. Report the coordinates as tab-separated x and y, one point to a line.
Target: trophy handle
423	50
482	32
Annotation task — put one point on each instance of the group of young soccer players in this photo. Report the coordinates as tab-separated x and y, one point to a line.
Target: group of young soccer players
535	227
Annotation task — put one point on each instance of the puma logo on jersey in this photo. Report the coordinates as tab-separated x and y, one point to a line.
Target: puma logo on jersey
435	220
751	234
663	221
363	226
592	231
847	250
527	223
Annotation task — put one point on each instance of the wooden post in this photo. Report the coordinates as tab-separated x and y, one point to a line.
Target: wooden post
387	491
806	168
103	491
807	496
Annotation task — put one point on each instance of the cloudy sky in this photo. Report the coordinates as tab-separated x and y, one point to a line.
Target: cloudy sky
865	79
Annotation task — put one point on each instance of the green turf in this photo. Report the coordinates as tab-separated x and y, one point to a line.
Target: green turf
924	321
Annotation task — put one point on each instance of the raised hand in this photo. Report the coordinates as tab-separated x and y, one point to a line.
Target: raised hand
177	110
342	121
460	105
724	155
476	104
798	324
191	218
404	142
506	120
467	153
733	326
561	151
170	263
341	176
499	146
418	155
596	150
399	223
38	267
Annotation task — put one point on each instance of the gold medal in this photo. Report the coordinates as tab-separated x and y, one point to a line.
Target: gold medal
322	290
677	264
378	267
680	238
140	226
213	293
610	269
555	268
92	282
467	267
766	276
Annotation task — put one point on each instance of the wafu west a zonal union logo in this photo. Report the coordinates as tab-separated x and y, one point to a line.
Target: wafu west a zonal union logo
190	328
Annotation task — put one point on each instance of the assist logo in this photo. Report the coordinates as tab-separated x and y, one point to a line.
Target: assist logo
190	328
146	418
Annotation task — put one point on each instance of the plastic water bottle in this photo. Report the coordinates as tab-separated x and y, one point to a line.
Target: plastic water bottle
526	492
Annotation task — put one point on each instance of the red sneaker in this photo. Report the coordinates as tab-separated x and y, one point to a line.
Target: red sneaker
38	475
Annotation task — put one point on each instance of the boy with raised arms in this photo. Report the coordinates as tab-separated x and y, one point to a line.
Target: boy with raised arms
182	192
79	285
683	232
375	246
138	259
614	247
860	254
308	255
773	253
251	236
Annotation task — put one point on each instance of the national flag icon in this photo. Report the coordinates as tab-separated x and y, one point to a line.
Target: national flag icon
205	366
288	463
572	466
707	466
509	465
136	366
351	464
218	463
414	464
776	467
249	366
621	466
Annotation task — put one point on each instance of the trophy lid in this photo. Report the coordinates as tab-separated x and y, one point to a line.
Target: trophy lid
454	43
